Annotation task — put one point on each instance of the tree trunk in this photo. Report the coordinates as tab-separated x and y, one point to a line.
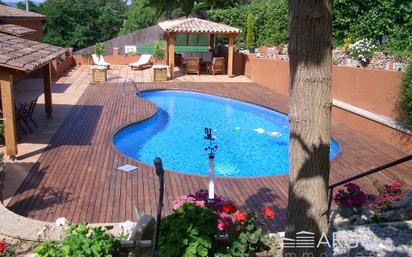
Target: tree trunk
310	101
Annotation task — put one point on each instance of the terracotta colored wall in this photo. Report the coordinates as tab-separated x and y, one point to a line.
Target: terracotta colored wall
376	91
373	90
58	69
32	24
112	59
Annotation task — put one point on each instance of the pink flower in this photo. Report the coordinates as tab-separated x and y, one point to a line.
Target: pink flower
200	203
224	223
182	200
396	185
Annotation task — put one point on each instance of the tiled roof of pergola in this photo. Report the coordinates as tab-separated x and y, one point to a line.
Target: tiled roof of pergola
15	30
10	12
196	25
26	55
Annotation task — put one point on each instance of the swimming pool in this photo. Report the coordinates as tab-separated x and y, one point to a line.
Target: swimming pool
252	140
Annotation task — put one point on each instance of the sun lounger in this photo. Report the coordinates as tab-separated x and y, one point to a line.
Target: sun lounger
143	62
100	61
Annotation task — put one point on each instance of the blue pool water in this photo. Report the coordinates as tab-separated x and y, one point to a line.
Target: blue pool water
176	134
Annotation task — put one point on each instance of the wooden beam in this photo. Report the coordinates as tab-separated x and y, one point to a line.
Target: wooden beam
9	116
172	55
47	82
230	56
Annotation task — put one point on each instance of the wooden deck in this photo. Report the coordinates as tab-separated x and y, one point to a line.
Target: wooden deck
77	177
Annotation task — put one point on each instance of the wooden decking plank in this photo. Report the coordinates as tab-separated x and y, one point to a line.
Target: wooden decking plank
81	164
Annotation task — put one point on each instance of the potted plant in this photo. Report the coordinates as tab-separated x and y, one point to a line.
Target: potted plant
99	50
250	36
158	52
99	72
159	70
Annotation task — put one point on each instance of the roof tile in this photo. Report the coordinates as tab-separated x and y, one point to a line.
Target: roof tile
10	12
26	55
15	30
196	25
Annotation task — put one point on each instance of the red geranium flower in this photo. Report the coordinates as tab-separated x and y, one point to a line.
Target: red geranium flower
241	216
268	213
229	208
2	246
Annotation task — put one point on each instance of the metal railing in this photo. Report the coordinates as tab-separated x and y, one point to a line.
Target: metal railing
364	174
130	81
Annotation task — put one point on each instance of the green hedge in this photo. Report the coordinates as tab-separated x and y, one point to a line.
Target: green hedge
375	19
406	98
367	19
270	20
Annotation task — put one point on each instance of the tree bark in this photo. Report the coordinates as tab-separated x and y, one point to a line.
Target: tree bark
310	101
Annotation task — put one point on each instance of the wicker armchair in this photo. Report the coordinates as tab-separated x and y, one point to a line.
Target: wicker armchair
216	66
192	65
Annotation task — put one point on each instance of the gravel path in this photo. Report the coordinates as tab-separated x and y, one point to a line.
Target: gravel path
376	240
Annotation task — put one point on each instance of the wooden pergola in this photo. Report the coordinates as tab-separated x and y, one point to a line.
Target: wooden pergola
197	26
19	56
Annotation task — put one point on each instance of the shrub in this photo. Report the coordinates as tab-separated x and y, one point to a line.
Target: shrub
389	195
200	227
81	241
158	51
353	196
405	101
188	232
250	36
362	50
99	49
270	20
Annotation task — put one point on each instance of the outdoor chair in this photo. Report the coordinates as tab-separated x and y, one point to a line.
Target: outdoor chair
144	61
100	61
140	241
192	65
216	66
27	114
19	112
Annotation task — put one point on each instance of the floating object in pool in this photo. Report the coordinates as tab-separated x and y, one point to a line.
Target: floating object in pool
274	134
259	130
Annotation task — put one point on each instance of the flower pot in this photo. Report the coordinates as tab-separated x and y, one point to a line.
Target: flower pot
252	50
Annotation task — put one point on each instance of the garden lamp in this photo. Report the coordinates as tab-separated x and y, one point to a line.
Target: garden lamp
211	149
159	172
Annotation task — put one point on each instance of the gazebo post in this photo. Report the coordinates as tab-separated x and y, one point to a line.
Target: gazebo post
7	95
47	81
211	41
172	55
230	56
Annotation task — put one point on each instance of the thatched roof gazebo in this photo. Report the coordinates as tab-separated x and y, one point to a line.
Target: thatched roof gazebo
17	56
197	26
